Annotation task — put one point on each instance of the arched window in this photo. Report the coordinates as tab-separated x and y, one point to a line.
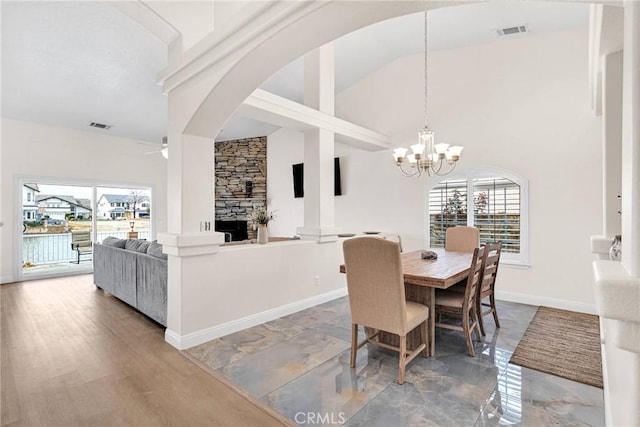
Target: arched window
493	200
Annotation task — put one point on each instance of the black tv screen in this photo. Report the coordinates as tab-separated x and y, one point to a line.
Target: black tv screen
298	179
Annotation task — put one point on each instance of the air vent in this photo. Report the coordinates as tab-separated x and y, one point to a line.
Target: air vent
99	125
508	31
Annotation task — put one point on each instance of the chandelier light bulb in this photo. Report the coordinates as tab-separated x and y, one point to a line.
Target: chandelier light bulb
455	151
441	148
399	154
417	149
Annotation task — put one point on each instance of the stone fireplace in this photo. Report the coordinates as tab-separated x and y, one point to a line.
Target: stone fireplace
241	184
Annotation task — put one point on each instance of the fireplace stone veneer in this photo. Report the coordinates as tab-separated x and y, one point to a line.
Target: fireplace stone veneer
240	183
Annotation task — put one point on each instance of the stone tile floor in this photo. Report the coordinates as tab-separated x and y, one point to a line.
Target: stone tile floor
299	365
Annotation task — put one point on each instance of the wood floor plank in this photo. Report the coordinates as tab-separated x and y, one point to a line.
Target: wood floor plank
74	355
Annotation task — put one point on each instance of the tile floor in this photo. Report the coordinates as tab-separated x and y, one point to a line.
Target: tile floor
299	365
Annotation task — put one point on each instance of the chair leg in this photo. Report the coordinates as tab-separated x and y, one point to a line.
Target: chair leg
354	344
475	326
492	299
467	334
424	330
480	316
403	359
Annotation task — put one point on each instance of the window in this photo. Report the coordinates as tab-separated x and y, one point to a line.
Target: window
70	207
492	200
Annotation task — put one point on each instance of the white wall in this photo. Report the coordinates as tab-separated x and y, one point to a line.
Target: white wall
518	104
246	285
35	150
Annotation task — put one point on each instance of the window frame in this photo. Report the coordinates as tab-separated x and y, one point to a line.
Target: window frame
469	175
19	182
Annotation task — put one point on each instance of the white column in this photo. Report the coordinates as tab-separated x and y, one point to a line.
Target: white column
190	182
319	93
319	79
190	214
612	143
631	140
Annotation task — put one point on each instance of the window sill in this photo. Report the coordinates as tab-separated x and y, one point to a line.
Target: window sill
515	264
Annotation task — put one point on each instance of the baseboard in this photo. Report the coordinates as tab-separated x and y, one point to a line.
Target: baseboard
6	279
195	338
547	302
172	338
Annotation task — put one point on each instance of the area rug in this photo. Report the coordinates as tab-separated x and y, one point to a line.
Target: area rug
562	343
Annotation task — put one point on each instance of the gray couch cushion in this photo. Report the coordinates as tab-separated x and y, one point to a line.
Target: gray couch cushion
114	241
114	270
137	245
151	288
155	249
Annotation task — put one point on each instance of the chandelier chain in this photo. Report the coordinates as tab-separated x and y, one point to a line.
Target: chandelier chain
425	70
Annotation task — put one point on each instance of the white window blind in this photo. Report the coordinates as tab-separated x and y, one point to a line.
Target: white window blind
496	211
493	202
447	208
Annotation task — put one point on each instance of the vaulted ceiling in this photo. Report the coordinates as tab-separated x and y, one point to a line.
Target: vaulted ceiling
72	63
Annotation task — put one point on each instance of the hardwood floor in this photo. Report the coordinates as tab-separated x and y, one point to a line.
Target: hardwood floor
74	355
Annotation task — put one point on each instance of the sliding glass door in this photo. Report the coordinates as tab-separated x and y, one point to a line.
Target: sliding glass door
52	215
60	222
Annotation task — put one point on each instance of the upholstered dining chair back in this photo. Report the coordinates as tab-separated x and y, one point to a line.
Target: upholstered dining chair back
377	299
375	284
462	239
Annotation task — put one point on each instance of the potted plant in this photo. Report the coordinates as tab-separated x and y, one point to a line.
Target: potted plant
260	218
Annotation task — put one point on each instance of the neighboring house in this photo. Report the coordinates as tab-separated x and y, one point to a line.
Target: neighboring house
29	205
58	207
83	210
121	206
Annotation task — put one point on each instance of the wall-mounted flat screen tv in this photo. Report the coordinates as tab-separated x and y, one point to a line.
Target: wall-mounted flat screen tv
298	179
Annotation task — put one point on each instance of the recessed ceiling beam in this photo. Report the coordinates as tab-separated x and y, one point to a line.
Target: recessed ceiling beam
267	107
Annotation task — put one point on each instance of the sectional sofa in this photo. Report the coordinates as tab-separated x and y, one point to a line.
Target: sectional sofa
134	271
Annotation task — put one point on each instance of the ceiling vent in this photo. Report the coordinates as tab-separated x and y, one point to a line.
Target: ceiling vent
508	31
99	125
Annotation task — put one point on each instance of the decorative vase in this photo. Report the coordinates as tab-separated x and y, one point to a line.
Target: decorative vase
263	234
615	252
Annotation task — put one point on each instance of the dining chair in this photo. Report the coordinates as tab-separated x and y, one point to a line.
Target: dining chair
394	238
490	263
377	299
461	239
462	305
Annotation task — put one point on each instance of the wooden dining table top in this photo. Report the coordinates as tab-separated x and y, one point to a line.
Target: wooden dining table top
447	270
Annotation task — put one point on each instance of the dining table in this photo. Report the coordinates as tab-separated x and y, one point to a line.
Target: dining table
421	279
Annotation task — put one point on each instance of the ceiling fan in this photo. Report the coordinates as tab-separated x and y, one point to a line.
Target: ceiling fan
164	150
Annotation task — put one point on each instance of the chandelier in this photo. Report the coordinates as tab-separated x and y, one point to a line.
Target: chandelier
426	156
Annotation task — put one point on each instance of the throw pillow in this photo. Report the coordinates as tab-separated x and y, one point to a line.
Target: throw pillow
137	245
114	242
155	249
